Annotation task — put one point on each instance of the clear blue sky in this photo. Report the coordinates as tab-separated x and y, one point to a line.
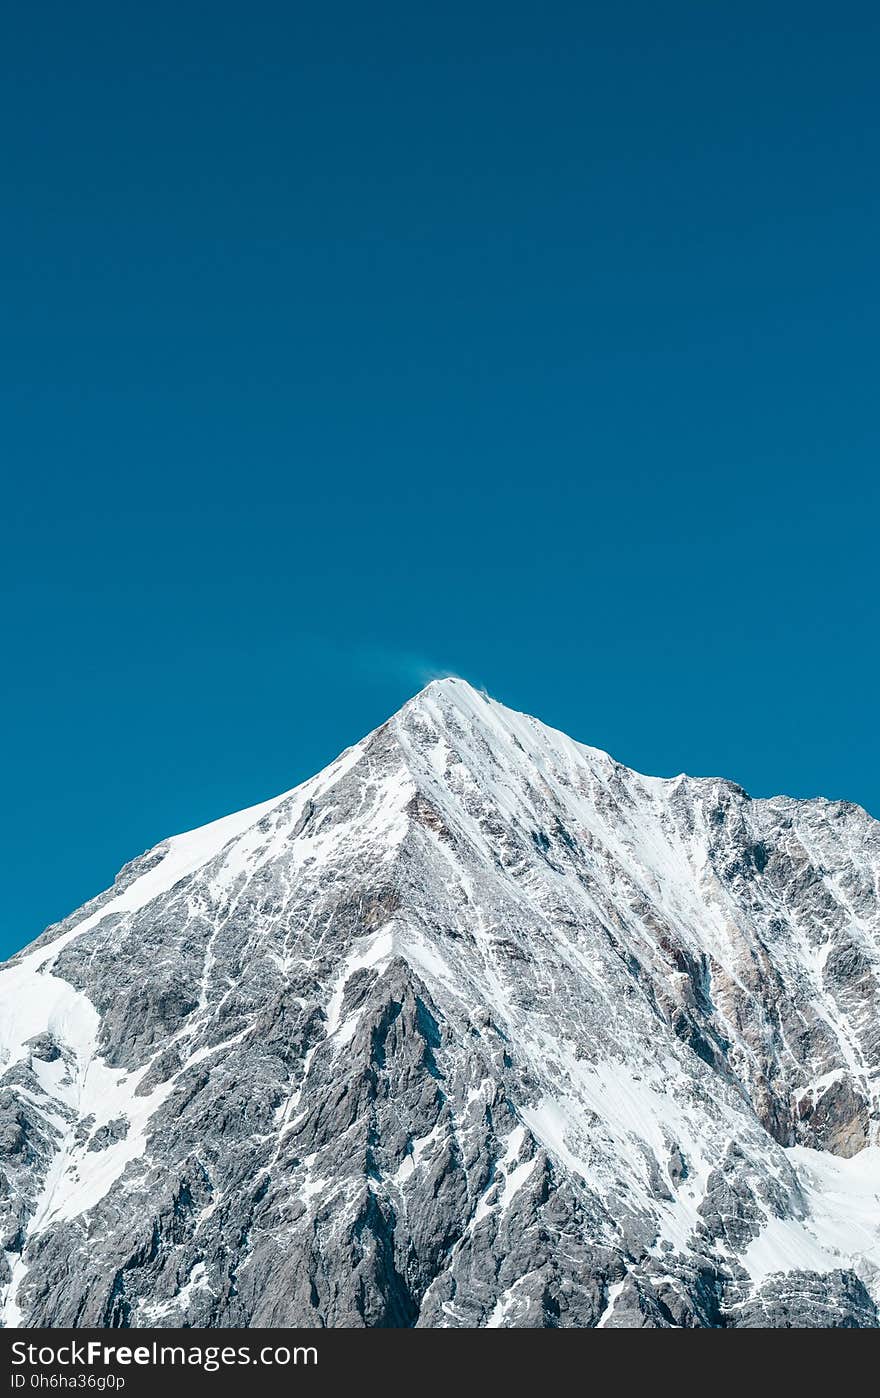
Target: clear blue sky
343	344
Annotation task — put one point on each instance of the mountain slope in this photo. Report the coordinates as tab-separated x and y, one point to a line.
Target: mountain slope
477	1027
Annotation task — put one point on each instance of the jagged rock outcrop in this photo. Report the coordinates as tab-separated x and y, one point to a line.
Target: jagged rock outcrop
475	1028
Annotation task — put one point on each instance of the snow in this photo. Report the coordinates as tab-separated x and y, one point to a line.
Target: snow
842	1226
514	1176
421	1147
149	1313
613	1293
500	1310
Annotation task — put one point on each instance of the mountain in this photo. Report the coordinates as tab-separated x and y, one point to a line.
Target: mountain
475	1028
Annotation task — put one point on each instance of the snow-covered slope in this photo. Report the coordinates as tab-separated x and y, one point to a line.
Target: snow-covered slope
477	1027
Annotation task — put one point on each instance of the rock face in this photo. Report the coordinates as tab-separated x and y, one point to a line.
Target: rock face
475	1028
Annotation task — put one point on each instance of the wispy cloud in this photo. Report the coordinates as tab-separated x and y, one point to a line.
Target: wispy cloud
384	663
372	663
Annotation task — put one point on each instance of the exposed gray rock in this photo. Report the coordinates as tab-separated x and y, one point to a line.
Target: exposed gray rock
807	1301
107	1134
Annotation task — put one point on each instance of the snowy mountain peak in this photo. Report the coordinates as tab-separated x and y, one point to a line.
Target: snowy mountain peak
354	1056
454	699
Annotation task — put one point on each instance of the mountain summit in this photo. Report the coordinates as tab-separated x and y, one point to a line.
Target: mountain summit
478	1028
